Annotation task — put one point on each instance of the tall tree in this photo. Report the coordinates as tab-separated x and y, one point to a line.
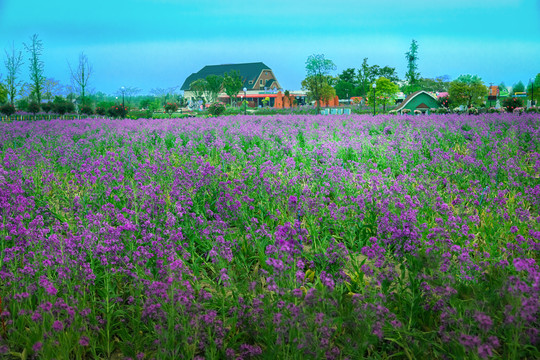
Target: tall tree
80	76
317	71
51	89
13	63
467	90
35	49
214	84
412	75
198	87
3	93
232	83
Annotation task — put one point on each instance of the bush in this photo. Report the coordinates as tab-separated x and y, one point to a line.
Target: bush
406	111
170	108
33	107
101	111
442	111
392	112
532	110
139	114
62	106
518	111
443	101
47	107
7	109
216	109
118	111
511	103
472	111
86	110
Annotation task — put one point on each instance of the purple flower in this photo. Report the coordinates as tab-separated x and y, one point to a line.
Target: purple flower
84	341
37	346
58	326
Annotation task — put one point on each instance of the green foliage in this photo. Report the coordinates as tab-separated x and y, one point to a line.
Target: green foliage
3	93
33	107
385	92
443	101
518	87
199	88
232	84
47	107
139	114
216	109
62	106
344	89
318	69
467	90
101	111
512	103
214	84
533	89
7	109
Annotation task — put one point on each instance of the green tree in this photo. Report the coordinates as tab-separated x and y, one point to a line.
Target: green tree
433	85
344	89
214	84
385	92
348	76
13	63
389	73
198	87
317	72
533	89
232	84
467	90
518	87
412	75
51	88
35	49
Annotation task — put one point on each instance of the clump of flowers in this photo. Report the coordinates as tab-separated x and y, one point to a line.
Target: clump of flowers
170	108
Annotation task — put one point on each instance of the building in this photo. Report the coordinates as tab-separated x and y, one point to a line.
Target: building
419	100
257	77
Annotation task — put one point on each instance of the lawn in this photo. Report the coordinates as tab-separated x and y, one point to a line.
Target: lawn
271	237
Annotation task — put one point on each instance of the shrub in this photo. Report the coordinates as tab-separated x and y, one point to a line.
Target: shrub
216	109
392	112
406	111
417	112
511	103
7	109
472	111
33	107
118	111
62	106
86	109
139	114
442	111
443	101
532	110
47	107
101	111
170	108
518	111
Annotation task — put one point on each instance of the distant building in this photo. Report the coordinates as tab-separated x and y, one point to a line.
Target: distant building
419	100
256	77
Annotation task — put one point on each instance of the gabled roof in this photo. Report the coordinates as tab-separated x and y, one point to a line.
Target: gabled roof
248	71
412	96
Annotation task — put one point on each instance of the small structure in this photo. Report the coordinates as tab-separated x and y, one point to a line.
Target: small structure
419	100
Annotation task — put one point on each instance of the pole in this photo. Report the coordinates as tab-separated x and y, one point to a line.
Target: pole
373	100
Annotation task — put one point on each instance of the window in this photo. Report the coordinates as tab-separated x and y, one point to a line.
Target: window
261	82
250	82
266	73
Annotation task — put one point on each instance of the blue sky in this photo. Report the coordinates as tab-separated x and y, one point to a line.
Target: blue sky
158	43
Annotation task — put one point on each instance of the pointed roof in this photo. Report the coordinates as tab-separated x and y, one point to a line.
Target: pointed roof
248	71
412	96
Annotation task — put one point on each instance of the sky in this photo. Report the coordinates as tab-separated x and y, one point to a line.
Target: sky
151	44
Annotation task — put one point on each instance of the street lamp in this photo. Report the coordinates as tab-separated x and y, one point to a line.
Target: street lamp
374	86
245	101
123	89
532	91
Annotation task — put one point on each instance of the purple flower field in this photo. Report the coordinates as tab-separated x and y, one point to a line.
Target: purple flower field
282	237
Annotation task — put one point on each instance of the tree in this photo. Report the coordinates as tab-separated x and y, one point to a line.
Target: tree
317	71
80	77
412	75
3	93
37	79
344	89
433	85
348	76
385	92
232	83
199	87
467	90
533	89
13	63
214	84
518	87
389	73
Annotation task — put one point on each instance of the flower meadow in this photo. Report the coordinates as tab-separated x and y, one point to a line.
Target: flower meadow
279	237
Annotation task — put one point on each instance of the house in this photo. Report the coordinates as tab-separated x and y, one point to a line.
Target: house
256	76
419	100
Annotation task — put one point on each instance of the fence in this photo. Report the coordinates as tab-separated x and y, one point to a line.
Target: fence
48	117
